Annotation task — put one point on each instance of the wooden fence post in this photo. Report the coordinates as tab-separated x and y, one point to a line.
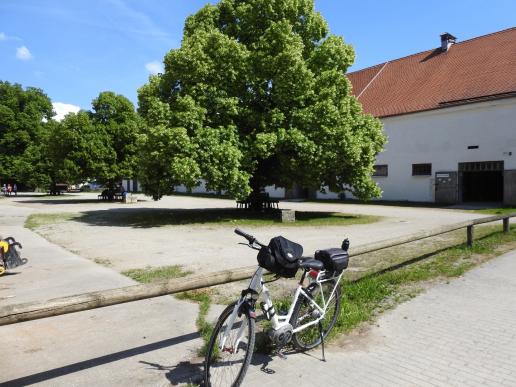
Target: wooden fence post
506	226
469	231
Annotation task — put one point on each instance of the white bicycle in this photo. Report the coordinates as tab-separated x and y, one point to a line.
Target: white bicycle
312	314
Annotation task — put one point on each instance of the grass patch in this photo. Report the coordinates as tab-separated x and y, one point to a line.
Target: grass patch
200	296
153	274
230	217
366	297
203	298
35	221
497	211
149	217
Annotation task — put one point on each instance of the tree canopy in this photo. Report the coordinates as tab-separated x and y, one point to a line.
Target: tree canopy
114	115
257	95
36	150
24	120
98	144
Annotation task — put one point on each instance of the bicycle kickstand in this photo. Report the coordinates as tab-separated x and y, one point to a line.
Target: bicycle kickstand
322	341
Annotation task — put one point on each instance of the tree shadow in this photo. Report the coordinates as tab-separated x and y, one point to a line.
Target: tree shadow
51	201
156	217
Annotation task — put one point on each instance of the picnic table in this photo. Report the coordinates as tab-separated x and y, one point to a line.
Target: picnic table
261	201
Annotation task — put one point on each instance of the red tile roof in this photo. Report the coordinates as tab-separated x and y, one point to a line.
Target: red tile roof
473	70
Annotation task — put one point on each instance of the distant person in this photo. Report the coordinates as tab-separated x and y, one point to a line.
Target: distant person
9	189
4	189
15	189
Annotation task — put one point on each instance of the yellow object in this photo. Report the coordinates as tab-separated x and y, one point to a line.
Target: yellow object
5	246
2	269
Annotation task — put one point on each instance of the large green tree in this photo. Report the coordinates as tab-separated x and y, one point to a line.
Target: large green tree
25	116
78	150
257	95
114	115
98	144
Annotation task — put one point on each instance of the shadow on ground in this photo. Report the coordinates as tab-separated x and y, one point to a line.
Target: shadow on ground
156	217
183	373
98	361
52	201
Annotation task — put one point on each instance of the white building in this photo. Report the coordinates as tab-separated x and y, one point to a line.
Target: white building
450	118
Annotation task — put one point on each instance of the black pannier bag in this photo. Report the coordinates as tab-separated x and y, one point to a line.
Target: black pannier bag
281	257
334	260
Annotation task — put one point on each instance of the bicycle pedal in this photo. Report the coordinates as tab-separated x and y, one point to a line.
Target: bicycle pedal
281	355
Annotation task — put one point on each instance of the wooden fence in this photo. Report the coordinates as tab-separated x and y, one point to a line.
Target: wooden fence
35	310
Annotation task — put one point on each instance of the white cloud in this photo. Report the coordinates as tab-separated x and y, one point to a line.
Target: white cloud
23	53
62	109
154	67
4	36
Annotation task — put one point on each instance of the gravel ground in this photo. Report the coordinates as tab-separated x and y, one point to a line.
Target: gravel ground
207	248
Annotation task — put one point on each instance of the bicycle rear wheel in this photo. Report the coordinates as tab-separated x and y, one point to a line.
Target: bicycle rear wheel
304	313
227	367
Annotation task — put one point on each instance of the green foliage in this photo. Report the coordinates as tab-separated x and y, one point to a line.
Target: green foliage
114	115
257	95
95	145
24	123
156	274
78	149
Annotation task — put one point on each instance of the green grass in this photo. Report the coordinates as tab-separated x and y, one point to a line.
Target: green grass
497	211
150	274
146	218
231	217
373	293
201	296
35	221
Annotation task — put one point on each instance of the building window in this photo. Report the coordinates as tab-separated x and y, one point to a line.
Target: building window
381	170
421	169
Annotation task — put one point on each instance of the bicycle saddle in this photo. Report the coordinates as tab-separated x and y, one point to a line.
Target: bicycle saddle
311	264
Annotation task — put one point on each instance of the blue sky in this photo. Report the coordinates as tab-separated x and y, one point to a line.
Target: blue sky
75	49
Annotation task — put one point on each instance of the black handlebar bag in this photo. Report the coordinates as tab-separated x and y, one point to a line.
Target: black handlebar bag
281	257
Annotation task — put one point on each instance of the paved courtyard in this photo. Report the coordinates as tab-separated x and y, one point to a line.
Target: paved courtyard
460	333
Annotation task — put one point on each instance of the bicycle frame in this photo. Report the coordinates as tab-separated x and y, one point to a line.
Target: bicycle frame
257	287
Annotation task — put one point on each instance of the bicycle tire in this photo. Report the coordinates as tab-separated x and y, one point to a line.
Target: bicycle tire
310	337
211	355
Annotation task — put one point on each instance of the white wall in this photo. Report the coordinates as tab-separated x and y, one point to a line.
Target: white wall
275	192
441	137
199	189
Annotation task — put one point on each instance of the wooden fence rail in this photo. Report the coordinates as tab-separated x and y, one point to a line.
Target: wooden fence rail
35	310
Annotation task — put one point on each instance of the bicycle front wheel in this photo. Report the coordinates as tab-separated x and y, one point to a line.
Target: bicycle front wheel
304	313
228	366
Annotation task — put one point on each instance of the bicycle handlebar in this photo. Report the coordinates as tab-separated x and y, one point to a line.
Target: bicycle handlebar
251	239
247	236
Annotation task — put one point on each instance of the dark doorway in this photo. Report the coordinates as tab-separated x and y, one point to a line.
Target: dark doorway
482	186
481	181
